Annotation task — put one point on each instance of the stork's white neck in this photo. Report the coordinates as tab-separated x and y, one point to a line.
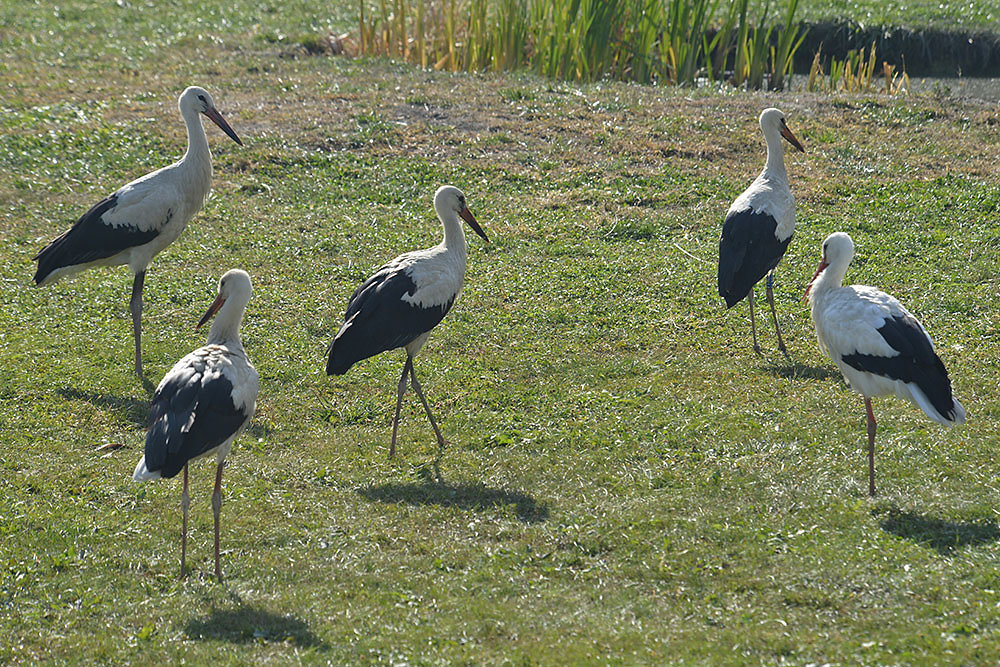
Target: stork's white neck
197	149
775	166
226	326
454	235
831	278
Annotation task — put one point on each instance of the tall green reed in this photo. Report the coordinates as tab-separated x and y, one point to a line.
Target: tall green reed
789	41
680	42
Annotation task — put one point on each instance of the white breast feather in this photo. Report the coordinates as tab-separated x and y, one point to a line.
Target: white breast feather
174	193
144	204
437	274
246	383
771	196
847	320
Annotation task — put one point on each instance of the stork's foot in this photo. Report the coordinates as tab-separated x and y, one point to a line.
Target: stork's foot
429	473
756	348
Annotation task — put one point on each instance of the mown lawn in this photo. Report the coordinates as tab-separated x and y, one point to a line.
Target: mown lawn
626	482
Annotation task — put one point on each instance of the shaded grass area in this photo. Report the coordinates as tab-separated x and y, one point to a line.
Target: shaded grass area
243	624
942	535
625	481
474	496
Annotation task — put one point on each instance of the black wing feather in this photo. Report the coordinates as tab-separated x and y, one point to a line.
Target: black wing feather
88	240
748	250
191	414
916	362
377	319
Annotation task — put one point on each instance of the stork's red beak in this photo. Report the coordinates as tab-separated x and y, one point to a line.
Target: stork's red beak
789	137
212	310
471	219
217	118
822	265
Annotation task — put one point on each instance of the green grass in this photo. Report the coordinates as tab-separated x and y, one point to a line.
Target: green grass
625	481
917	14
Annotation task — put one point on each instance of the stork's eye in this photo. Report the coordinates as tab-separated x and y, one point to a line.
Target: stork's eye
201	97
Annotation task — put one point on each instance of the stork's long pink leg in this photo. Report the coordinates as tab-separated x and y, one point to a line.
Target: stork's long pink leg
135	306
753	325
216	508
871	446
774	315
185	503
399	405
427	408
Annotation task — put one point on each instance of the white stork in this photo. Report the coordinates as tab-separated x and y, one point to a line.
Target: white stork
404	300
143	217
204	402
878	345
759	226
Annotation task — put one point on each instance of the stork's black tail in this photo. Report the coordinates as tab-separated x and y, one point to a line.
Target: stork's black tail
88	240
343	351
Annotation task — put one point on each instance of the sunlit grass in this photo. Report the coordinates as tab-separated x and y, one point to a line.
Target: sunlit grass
625	481
916	14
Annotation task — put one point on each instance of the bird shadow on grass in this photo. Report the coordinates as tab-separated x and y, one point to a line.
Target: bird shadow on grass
259	430
469	496
245	624
799	371
135	410
942	535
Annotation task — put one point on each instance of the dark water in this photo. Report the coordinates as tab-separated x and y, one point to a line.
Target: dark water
923	52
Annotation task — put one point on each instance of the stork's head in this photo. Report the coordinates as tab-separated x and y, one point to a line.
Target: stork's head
196	99
838	249
449	199
772	123
233	286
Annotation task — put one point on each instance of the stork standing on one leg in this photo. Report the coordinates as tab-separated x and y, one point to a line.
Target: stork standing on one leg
204	402
405	300
878	345
143	217
759	226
